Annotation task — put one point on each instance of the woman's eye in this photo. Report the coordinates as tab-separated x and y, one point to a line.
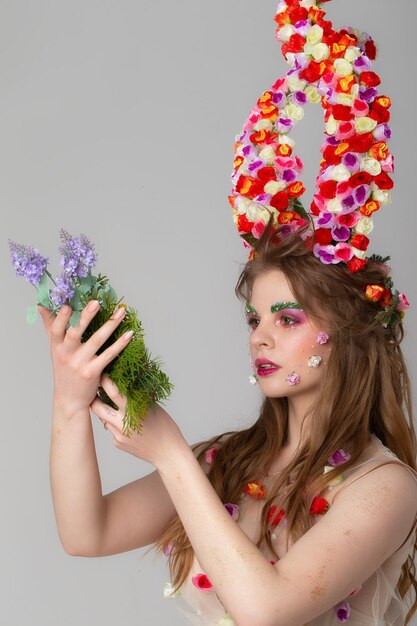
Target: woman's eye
287	320
252	322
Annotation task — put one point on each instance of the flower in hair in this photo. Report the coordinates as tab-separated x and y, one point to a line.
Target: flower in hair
210	454
233	509
342	611
338	458
256	490
334	68
202	582
275	516
319	506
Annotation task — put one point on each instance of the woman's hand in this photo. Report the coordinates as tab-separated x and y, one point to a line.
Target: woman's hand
159	433
77	368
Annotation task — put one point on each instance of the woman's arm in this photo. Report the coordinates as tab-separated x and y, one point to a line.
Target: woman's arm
365	525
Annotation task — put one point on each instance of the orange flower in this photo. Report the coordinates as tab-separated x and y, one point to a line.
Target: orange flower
270	113
341	148
284	150
374	293
265	100
238	162
379	151
256	489
384	101
287	216
296	189
345	84
315	14
369	207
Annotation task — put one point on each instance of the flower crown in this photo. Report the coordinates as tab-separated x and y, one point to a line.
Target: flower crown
333	68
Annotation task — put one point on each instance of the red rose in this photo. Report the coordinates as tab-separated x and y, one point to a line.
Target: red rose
370	79
361	242
356	264
330	156
361	143
295	44
379	113
202	582
361	178
243	224
319	506
314	209
328	188
370	49
296	14
323	236
342	112
312	72
279	201
265	174
384	181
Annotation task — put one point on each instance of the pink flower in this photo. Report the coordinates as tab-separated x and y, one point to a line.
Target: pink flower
403	303
168	549
293	378
322	338
233	509
338	458
342	612
343	251
210	454
258	229
202	582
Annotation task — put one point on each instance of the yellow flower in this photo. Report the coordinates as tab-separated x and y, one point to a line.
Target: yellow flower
345	98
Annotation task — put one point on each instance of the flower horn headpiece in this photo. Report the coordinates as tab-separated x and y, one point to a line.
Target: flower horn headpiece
332	68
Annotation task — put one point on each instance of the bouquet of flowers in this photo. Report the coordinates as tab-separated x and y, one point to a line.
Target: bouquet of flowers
138	376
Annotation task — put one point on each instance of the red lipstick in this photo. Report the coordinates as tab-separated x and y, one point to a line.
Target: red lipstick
264	367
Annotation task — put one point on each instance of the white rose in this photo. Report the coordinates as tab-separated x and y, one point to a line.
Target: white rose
263	125
352	53
285	32
340	173
289	141
331	126
294	112
307	4
320	52
273	186
346	99
312	94
334	206
365	124
242	204
291	58
267	154
361	254
364	226
343	67
254	212
315	35
382	196
295	84
372	166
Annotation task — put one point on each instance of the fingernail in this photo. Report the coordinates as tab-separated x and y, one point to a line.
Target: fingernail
65	309
128	335
119	313
93	305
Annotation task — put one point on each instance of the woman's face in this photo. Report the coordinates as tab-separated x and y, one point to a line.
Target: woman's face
281	333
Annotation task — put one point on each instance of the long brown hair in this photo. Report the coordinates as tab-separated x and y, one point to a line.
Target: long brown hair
365	389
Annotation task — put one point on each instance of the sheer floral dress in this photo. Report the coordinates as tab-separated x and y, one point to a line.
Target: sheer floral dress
376	603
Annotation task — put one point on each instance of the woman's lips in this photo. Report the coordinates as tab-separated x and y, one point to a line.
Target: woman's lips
264	367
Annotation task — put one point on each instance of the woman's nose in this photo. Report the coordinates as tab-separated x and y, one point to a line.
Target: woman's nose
262	336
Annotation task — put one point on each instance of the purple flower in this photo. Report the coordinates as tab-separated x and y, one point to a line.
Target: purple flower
300	98
342	611
324	253
382	132
278	98
289	176
368	94
78	255
338	458
255	165
284	125
348	204
27	262
361	64
341	233
63	290
361	194
233	509
351	161
325	219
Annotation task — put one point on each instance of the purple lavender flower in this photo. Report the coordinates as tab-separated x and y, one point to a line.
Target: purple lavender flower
78	255
63	290
27	262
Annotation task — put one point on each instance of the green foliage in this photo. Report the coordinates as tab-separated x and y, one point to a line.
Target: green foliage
138	377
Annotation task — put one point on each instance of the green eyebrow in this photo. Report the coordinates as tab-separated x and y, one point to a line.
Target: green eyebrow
279	306
275	308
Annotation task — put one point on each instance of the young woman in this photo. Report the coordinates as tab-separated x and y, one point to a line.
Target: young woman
307	517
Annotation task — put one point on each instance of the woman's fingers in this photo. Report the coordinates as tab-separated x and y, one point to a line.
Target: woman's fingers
55	325
87	314
112	391
112	351
104	332
109	417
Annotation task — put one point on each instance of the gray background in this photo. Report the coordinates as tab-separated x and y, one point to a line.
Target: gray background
117	119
